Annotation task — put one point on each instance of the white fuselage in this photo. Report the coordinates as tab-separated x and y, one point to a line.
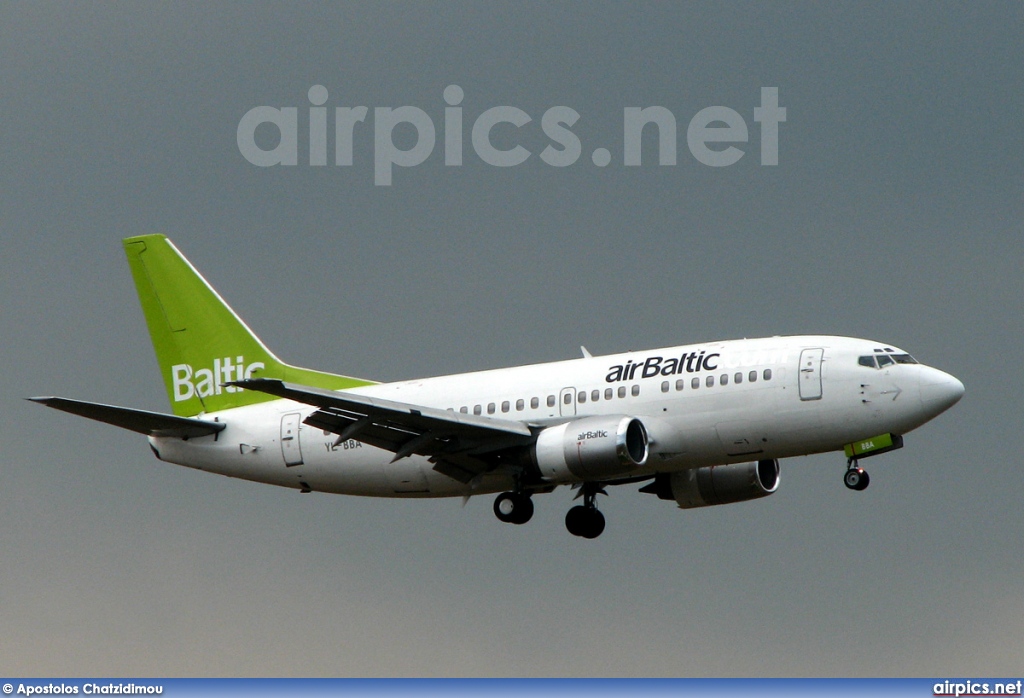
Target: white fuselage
704	404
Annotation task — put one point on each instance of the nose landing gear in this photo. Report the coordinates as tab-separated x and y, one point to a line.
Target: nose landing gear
855	478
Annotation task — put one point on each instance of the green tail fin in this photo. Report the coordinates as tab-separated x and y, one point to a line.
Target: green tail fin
200	343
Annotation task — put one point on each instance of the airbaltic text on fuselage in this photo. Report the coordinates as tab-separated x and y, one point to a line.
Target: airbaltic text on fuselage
690	362
204	382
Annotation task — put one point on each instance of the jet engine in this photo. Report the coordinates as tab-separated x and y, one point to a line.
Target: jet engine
591	448
717	484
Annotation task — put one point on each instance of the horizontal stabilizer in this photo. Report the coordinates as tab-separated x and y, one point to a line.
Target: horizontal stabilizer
141	421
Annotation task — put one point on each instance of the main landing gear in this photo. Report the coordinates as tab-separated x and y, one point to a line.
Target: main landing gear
582	520
586	521
855	478
513	507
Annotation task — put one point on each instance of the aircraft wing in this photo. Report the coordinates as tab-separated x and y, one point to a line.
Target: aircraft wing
460	446
141	421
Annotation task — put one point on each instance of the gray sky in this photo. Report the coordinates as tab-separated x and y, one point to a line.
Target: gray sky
894	214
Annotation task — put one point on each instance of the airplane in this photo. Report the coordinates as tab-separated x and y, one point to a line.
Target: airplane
702	424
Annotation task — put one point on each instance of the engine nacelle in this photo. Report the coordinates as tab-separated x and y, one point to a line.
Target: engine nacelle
591	448
723	484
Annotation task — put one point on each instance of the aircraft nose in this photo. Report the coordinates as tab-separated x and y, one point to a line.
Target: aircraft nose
940	391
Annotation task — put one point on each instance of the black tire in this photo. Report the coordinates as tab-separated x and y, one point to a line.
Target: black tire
595	524
856	479
575	520
523	509
585	523
513	508
865	480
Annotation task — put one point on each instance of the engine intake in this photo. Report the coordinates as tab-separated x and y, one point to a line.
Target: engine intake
717	484
591	448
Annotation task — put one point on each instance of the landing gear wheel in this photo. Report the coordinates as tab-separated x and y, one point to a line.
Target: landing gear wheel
512	507
585	522
856	478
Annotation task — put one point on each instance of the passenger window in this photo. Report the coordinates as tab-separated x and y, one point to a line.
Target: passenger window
752	376
464	410
767	374
679	384
884	360
724	379
477	409
635	390
622	391
504	406
551	401
520	404
567	400
738	378
490	408
868	361
695	383
609	393
664	386
595	395
710	381
582	397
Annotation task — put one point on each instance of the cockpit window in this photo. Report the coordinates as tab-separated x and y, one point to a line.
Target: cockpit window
881	360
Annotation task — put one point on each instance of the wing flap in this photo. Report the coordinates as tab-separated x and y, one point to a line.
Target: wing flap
398	413
461	446
139	421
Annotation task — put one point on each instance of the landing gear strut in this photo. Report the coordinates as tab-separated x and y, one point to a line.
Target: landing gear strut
856	478
586	521
513	507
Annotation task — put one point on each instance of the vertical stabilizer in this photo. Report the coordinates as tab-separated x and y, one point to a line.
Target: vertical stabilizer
200	343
